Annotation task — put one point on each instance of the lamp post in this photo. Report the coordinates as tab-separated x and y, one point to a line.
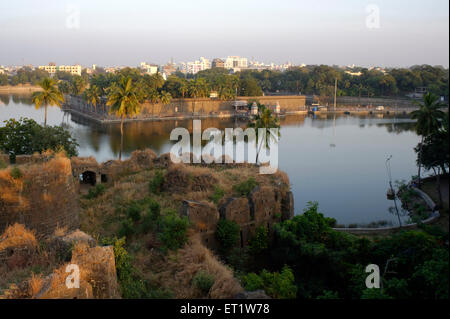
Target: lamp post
391	190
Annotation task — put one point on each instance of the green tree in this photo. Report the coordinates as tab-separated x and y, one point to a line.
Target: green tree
428	118
49	95
92	96
227	234
25	136
124	102
265	120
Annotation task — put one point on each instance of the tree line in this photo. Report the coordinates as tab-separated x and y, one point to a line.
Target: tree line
309	80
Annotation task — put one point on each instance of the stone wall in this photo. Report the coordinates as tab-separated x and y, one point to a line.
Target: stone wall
262	208
43	198
185	107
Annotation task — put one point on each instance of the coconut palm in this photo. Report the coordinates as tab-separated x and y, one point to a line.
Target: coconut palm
183	89
123	100
92	96
50	95
166	98
428	118
265	119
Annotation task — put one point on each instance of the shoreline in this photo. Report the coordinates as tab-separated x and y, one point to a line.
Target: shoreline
19	89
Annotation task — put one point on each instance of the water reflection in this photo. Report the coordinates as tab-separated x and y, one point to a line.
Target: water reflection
348	179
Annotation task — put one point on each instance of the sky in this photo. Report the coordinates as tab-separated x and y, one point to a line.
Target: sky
391	33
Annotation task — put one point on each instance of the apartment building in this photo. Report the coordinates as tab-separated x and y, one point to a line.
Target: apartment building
52	69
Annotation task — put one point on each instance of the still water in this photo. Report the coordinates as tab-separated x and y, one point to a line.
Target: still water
338	161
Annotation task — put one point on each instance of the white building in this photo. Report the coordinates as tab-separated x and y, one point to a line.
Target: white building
149	68
236	62
52	69
198	65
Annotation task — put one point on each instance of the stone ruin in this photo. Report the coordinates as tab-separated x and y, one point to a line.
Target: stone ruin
263	207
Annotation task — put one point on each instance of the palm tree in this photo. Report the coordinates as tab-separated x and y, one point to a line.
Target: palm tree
183	89
92	96
154	98
428	118
157	81
50	95
123	101
166	98
266	120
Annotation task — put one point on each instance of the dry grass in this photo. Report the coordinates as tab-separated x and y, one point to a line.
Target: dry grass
18	236
179	268
35	285
60	231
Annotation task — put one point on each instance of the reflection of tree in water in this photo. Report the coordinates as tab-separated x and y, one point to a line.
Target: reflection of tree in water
22	99
4	99
398	128
155	134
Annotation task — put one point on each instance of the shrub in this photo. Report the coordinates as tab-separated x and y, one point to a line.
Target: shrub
16	173
96	191
131	285
134	211
277	285
203	281
244	188
173	230
156	183
260	241
328	294
126	228
218	194
25	136
227	234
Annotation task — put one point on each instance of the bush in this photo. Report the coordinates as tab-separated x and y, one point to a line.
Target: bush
96	191
126	228
25	136
173	230
156	183
203	281
260	241
16	173
277	285
244	188
134	211
227	234
131	285
218	194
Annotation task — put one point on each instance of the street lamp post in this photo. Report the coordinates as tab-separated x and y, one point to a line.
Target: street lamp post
391	190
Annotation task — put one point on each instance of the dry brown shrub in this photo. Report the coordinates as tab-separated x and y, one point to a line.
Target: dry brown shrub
60	231
181	267
35	284
18	236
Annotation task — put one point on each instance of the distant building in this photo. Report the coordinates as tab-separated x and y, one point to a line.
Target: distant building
236	62
149	68
218	63
168	69
52	68
198	65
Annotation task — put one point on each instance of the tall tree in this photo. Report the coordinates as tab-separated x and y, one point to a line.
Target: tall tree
50	95
429	117
123	100
265	120
92	96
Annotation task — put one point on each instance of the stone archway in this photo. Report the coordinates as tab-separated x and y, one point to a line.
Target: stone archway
88	178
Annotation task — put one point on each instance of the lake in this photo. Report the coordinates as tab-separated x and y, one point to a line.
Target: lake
336	160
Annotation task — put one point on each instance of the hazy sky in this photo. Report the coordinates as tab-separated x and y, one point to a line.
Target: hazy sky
110	32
